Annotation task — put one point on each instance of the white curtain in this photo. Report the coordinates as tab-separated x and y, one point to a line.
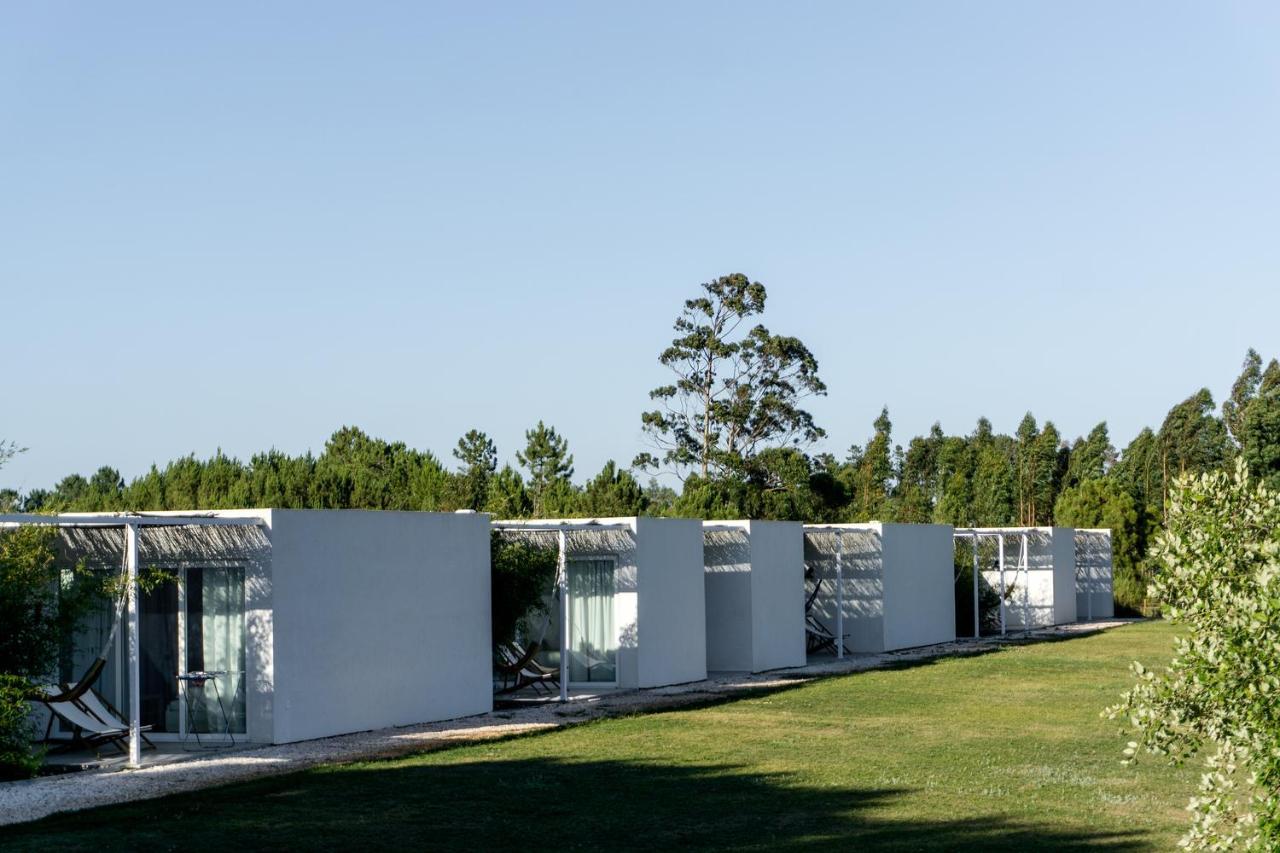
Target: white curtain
593	651
220	624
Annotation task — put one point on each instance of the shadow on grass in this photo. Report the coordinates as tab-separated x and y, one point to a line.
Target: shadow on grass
541	803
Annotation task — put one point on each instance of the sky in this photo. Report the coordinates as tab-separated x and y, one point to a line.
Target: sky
242	226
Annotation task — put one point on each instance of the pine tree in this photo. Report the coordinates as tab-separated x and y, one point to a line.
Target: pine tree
546	457
479	457
1027	464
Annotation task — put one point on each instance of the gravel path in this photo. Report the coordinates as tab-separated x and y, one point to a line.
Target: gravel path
36	798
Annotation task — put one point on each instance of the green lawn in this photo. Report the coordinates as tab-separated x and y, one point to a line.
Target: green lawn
1003	751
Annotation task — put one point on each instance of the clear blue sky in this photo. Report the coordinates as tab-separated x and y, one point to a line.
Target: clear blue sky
244	225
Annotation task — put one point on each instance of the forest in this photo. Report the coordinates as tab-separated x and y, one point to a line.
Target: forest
733	429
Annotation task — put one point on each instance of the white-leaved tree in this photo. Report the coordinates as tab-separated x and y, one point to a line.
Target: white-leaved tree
1218	578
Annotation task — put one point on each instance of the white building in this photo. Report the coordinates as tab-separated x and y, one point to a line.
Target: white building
1033	570
316	622
636	611
884	586
755	595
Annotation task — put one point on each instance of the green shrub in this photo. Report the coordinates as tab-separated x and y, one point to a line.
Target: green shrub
988	597
1129	589
521	575
17	760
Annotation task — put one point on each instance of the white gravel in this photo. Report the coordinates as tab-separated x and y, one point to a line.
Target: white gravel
36	798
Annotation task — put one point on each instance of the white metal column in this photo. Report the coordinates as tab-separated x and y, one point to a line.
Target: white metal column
839	594
562	571
135	689
1088	592
1025	559
1000	544
977	614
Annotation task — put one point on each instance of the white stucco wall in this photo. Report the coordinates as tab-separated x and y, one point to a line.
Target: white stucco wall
1094	593
671	606
777	594
754	595
1064	575
919	585
379	619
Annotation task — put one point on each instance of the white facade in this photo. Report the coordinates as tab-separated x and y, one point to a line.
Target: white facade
377	619
754	595
656	620
338	621
898	588
1040	584
1094	593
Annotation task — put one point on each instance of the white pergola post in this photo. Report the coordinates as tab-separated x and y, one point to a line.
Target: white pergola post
1088	591
977	615
1025	559
562	572
1000	544
135	689
839	594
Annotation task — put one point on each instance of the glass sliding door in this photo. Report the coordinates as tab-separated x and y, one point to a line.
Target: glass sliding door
196	625
215	643
593	648
158	658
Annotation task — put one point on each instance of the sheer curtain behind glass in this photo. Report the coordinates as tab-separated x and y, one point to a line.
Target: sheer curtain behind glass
215	643
593	655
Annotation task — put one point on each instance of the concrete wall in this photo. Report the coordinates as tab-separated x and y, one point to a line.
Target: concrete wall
919	585
754	595
379	619
671	606
1094	592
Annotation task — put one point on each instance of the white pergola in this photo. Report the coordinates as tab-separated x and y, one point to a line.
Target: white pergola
130	523
839	531
562	529
1022	567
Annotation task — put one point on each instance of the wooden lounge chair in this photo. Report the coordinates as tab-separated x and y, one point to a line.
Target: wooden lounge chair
532	660
93	721
519	671
817	638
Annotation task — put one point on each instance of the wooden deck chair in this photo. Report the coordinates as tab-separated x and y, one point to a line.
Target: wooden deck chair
98	707
93	722
517	673
530	656
817	638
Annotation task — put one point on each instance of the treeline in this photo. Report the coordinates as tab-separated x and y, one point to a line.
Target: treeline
1033	477
733	427
359	471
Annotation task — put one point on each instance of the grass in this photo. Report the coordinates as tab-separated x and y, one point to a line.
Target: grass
1002	751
